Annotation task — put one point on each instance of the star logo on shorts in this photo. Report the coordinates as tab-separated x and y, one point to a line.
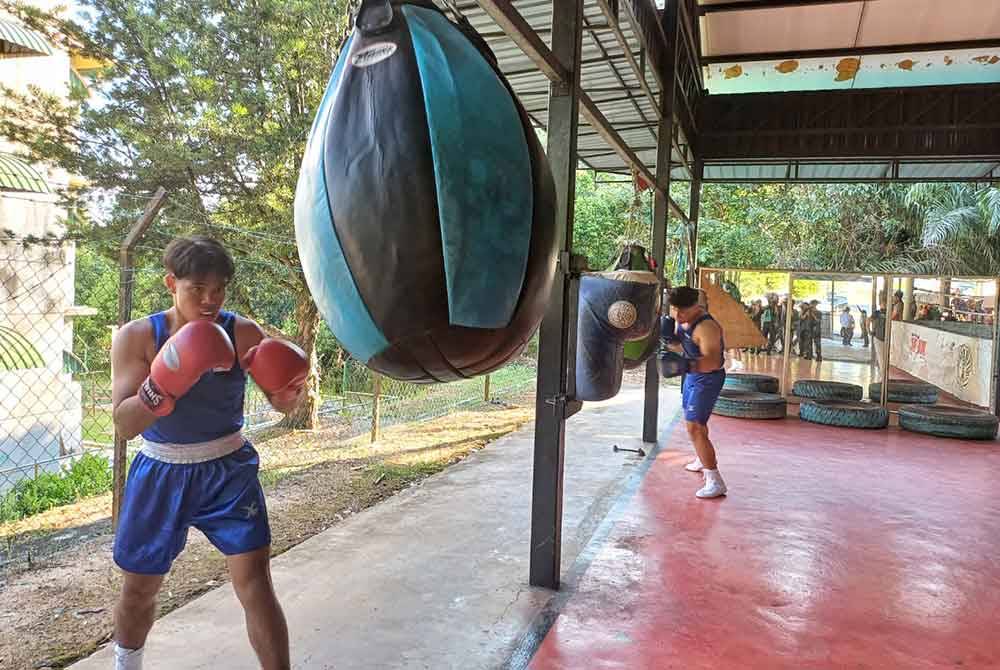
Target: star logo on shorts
252	510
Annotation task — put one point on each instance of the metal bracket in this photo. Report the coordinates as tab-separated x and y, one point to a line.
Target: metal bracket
564	405
572	265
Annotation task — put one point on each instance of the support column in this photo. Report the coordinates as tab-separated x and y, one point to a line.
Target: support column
695	205
557	339
995	376
651	402
944	293
907	297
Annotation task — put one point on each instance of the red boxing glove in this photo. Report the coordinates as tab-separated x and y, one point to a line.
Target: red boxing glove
198	347
278	367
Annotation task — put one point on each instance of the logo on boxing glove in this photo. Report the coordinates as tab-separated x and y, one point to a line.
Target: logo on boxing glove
150	395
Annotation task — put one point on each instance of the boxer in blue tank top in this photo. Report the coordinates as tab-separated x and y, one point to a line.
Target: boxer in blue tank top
194	467
699	339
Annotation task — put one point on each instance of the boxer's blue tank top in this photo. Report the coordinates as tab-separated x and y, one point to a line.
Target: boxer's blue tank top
212	408
691	348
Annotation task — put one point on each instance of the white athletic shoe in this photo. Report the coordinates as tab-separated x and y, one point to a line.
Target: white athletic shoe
714	486
694	466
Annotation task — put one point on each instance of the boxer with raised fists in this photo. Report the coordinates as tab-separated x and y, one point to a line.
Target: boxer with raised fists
179	380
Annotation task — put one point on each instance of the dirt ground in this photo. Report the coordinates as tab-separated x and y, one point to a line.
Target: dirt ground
56	609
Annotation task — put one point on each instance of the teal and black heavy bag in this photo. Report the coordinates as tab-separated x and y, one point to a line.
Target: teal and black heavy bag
425	208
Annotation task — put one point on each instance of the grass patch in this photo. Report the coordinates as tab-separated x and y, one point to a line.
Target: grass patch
401	474
98	426
89	475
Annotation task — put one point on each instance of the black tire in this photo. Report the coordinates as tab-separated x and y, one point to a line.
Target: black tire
750	405
816	389
844	413
905	391
739	381
947	421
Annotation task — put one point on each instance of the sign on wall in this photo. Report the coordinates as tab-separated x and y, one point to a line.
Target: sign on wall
957	364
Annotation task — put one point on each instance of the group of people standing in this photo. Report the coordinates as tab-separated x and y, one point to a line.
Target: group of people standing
807	326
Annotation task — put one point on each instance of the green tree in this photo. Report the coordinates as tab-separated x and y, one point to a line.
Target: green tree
959	229
211	99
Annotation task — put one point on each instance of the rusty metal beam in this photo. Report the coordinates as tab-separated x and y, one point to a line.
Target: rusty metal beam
521	32
847	51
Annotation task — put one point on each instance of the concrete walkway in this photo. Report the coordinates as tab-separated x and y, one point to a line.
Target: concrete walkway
435	577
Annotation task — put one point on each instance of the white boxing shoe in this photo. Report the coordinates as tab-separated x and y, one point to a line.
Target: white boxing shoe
694	466
714	485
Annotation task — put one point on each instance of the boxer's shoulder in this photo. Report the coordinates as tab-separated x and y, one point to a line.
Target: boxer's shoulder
248	334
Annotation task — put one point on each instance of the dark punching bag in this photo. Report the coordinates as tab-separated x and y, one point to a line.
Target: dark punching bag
425	208
614	307
637	352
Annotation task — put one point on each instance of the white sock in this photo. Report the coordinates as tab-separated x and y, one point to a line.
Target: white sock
127	659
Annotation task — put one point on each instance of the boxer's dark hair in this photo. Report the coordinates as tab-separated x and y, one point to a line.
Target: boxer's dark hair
683	296
198	256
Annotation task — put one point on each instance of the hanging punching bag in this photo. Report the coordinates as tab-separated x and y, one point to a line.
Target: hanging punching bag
637	352
425	207
614	308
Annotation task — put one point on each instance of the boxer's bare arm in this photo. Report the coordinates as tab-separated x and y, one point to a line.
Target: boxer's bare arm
130	367
708	337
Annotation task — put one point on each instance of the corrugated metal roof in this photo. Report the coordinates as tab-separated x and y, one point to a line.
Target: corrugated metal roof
611	82
16	175
16	40
845	171
606	76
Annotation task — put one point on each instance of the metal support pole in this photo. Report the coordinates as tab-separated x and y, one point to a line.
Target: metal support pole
557	339
695	205
486	388
871	313
786	345
833	294
376	406
651	398
126	286
995	376
887	346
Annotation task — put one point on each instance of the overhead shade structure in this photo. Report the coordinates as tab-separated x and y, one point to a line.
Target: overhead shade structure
18	41
16	352
16	175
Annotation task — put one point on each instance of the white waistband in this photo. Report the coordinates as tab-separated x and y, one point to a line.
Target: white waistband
198	452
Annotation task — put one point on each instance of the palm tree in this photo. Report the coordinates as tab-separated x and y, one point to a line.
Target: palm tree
959	230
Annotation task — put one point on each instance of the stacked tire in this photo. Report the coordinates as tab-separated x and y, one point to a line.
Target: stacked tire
744	381
744	404
816	389
905	391
844	413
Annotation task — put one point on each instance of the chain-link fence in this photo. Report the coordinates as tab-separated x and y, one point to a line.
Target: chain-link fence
59	308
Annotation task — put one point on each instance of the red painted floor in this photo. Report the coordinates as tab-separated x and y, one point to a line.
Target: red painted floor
835	548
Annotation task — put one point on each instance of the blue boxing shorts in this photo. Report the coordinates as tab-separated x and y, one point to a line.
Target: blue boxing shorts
699	391
221	497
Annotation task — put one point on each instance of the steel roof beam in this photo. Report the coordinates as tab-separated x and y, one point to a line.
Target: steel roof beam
888	49
767	4
521	32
